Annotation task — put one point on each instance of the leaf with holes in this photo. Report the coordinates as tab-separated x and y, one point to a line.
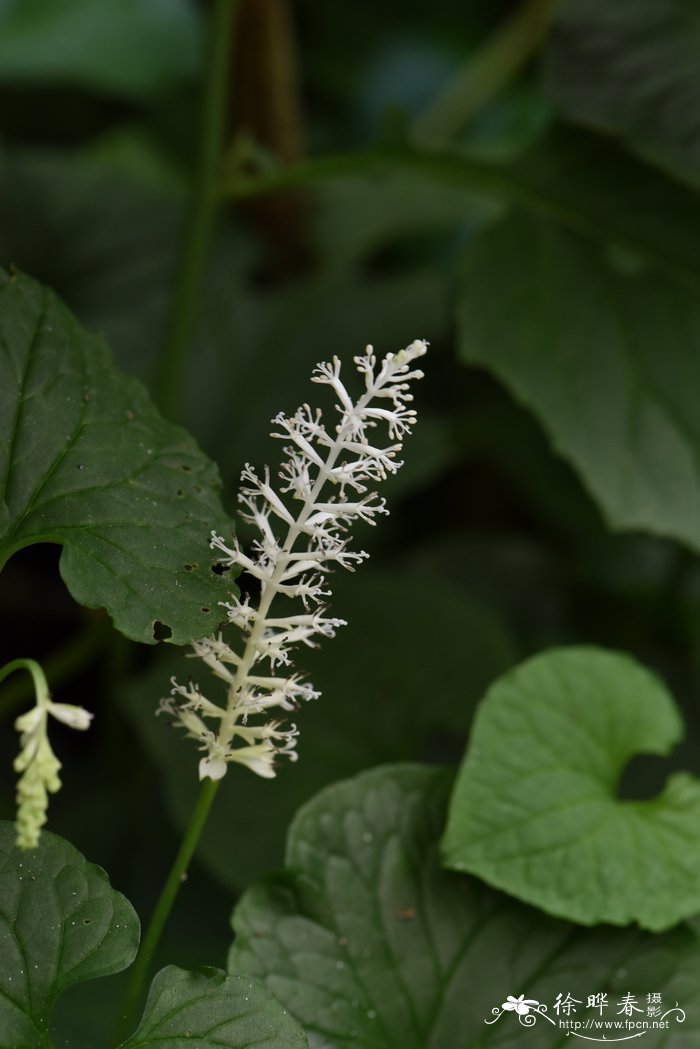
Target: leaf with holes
60	923
575	335
216	1010
86	461
535	811
371	944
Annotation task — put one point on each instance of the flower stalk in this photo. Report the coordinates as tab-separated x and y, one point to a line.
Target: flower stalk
328	472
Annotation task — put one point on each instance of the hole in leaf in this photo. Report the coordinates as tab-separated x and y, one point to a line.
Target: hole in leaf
205	609
644	777
219	568
184	468
190	568
180	493
161	632
87	921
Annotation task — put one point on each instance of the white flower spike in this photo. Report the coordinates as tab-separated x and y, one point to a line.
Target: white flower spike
302	533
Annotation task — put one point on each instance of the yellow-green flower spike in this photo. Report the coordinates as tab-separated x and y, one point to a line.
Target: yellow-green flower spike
36	761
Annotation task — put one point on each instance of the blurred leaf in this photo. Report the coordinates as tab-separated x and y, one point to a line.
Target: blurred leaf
534	810
605	355
400	681
632	68
99	238
380	62
581	181
134	49
360	216
401	75
512	122
60	923
89	463
400	85
592	187
218	1011
503	570
369	943
113	239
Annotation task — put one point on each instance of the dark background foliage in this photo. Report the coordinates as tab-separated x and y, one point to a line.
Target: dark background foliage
543	239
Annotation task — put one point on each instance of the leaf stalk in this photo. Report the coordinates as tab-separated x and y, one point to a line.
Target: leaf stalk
141	968
204	200
474	86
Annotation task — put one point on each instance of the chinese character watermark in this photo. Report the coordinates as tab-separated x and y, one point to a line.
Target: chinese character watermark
599	1020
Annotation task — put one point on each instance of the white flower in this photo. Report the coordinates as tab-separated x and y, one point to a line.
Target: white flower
74	717
325	477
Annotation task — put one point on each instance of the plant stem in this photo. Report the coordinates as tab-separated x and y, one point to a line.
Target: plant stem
60	665
202	209
485	75
41	688
514	184
178	871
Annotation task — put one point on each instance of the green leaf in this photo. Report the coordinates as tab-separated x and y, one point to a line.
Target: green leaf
379	703
576	337
125	48
371	944
113	242
535	811
582	182
214	1011
114	237
86	461
590	186
632	68
60	923
398	217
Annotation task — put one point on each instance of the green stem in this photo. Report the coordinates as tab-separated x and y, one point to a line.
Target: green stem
60	665
202	210
140	970
512	184
41	687
239	185
487	73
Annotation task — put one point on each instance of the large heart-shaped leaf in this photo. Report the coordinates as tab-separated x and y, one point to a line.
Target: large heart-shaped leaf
60	923
632	68
372	945
86	461
213	1011
535	811
605	356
